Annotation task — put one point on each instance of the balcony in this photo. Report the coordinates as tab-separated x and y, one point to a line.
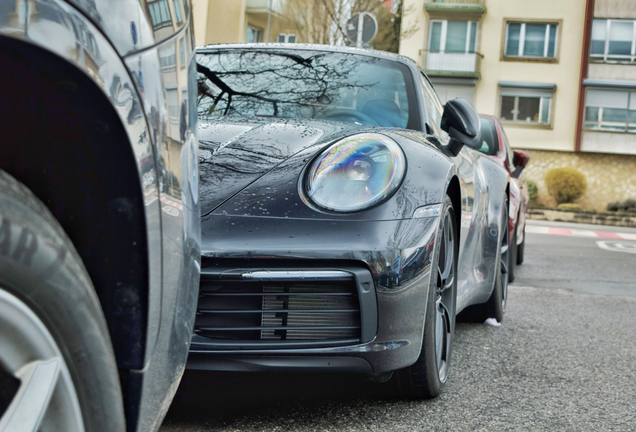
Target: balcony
452	64
262	6
455	9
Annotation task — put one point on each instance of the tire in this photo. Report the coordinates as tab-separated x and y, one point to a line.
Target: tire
428	375
521	247
512	255
53	334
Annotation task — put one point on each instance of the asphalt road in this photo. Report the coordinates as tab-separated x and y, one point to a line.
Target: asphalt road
563	360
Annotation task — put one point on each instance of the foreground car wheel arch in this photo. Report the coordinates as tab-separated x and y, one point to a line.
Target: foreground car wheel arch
426	378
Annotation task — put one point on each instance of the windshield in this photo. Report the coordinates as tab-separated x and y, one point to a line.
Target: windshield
308	84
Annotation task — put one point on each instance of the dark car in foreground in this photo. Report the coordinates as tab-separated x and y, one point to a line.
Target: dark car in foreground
99	212
495	144
342	227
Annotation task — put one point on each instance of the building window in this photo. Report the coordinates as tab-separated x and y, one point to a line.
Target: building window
159	14
286	38
177	11
173	104
611	110
254	35
168	57
532	40
452	36
526	103
182	52
613	40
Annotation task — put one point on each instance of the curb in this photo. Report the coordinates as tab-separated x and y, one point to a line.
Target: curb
556	215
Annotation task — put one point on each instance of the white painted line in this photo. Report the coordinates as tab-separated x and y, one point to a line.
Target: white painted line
626	236
537	229
584	233
614	246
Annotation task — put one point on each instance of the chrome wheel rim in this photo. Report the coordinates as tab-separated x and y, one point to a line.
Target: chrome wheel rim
504	261
444	298
46	399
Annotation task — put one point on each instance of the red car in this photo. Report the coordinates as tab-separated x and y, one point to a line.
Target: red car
495	144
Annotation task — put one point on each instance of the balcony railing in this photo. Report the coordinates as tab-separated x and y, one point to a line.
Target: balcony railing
451	62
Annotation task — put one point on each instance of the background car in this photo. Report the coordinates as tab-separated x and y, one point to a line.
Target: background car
99	213
342	229
495	144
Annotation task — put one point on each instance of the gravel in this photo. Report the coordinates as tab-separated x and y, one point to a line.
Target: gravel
561	361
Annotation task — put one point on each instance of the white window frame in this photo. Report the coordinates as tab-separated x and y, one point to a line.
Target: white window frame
522	40
610	126
545	97
442	36
286	37
630	58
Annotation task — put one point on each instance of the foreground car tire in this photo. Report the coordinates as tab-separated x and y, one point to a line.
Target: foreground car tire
427	376
57	367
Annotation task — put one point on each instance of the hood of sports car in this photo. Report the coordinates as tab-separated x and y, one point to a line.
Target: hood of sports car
236	151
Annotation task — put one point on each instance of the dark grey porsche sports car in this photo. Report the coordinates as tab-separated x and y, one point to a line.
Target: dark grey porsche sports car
346	219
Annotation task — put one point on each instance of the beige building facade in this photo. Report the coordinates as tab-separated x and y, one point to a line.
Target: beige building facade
559	74
517	60
237	21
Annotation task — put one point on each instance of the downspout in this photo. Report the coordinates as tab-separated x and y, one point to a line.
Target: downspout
585	60
269	18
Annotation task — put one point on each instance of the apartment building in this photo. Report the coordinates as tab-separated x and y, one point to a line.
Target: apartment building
222	21
559	74
514	59
607	121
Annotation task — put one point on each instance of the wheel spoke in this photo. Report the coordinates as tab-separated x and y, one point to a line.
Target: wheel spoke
504	266
30	403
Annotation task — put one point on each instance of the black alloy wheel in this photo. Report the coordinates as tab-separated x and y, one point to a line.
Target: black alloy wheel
427	376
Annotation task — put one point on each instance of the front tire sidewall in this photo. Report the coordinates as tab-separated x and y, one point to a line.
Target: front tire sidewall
50	279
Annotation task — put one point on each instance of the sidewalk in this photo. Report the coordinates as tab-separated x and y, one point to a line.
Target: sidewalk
556	215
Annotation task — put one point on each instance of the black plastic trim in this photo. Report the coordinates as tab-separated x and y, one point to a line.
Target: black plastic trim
201	361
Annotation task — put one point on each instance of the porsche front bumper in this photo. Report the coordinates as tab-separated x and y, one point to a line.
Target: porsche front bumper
387	264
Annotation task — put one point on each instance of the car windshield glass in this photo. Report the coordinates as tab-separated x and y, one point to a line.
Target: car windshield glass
308	84
489	143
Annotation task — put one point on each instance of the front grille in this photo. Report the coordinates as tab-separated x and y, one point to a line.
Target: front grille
266	310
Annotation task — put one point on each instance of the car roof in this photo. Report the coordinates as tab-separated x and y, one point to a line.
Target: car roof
309	47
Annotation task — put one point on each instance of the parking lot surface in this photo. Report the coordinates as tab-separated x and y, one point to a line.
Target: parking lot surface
563	359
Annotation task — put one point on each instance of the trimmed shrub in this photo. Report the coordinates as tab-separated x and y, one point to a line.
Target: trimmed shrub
533	190
628	206
569	206
565	184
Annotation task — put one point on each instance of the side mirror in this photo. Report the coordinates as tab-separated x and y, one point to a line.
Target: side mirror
461	121
520	159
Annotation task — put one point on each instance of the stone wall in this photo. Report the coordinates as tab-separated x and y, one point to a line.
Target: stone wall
609	177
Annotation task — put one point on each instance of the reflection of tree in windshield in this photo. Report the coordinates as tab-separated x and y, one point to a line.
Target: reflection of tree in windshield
309	85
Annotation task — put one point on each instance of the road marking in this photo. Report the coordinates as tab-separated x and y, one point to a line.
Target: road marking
614	246
537	229
607	235
627	236
583	233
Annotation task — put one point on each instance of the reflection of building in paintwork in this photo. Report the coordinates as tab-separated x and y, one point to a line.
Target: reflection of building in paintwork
241	21
607	121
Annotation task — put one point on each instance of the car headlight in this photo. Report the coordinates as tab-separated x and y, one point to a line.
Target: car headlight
356	173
